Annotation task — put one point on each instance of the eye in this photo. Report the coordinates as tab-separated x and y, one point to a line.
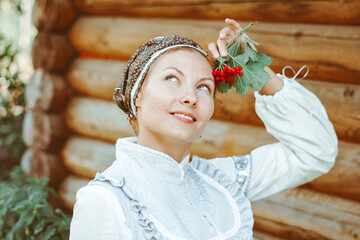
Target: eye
205	87
171	77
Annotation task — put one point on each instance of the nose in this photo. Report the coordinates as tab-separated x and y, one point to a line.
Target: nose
189	97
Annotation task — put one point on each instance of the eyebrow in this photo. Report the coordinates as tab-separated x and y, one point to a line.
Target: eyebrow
179	71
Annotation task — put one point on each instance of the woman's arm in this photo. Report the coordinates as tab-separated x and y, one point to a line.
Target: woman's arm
274	85
98	215
307	145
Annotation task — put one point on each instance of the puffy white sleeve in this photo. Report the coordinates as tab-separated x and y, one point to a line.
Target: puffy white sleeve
307	145
98	215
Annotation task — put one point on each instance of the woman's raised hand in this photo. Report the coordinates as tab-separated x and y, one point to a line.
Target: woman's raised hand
226	35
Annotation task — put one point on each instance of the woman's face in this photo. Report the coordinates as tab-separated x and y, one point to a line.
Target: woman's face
177	97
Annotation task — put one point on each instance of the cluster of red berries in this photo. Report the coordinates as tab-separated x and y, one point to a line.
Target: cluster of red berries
227	74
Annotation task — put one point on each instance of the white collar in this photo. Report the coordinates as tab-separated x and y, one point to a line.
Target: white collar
150	160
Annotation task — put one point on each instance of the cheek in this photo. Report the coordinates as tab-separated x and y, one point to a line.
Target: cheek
156	104
207	108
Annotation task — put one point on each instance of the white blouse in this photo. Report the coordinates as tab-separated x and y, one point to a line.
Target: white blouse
307	148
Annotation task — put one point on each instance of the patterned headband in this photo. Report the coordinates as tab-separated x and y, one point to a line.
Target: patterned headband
140	63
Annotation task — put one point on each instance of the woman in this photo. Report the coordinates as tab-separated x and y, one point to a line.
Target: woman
153	191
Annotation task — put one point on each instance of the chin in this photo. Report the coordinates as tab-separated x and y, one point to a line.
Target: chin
184	137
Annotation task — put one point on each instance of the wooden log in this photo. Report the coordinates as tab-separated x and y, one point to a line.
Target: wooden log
98	78
344	178
311	215
86	156
52	15
89	118
45	132
93	77
97	118
51	51
318	46
339	12
284	230
47	92
38	164
264	236
69	187
6	161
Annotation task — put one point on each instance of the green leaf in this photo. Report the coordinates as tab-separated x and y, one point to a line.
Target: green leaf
20	205
248	40
48	234
39	227
240	86
250	54
65	218
223	87
255	75
264	59
235	49
239	60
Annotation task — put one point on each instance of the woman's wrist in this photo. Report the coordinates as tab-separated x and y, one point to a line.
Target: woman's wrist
274	85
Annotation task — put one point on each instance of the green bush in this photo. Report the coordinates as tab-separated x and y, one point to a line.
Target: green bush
12	102
25	212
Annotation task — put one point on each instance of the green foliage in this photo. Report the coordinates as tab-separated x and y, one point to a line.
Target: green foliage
25	212
12	101
252	63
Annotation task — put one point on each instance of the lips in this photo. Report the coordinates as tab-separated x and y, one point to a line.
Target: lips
185	115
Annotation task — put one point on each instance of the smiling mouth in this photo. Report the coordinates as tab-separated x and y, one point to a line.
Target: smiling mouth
192	119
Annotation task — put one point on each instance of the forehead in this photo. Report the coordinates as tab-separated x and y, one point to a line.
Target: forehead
182	57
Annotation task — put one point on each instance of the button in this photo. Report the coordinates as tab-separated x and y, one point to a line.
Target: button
241	163
241	179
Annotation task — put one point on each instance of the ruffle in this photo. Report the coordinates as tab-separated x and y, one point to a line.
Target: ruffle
246	217
149	229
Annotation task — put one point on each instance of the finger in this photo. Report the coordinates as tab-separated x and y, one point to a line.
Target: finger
226	33
221	44
233	24
213	50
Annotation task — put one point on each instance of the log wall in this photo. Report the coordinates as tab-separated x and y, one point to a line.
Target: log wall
82	50
46	95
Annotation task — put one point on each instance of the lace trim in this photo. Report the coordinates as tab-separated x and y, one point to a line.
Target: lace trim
244	231
131	142
149	230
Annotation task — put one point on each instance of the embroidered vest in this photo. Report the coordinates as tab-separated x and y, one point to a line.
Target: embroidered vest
163	199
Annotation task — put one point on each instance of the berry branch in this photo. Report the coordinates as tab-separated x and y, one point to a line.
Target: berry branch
241	69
